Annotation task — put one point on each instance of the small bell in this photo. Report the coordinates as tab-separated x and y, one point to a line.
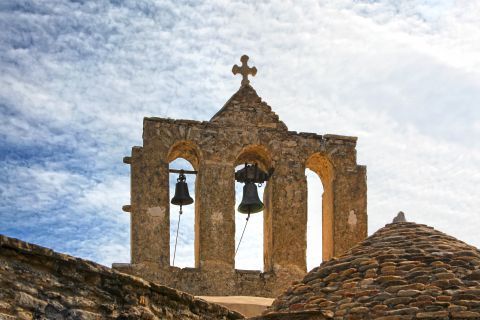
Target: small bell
181	197
250	202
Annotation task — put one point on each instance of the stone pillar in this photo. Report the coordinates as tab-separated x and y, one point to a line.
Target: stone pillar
350	208
268	226
286	219
150	218
216	221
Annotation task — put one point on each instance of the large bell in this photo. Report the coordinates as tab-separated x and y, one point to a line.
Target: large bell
181	197
250	202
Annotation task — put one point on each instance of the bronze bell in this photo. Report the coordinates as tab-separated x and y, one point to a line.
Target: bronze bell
250	202
181	197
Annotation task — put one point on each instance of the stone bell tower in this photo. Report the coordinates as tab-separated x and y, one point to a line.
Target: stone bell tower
244	130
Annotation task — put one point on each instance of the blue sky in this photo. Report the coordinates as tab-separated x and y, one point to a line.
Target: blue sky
77	78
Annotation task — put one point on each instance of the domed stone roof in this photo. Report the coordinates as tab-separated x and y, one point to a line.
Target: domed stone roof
403	271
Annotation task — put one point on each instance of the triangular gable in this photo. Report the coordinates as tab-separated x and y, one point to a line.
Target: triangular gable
245	108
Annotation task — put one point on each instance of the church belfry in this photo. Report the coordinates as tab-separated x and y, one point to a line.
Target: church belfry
244	131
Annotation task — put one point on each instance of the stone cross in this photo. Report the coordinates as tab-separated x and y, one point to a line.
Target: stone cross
244	70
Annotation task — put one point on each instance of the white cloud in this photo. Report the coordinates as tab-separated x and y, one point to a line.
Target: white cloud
77	79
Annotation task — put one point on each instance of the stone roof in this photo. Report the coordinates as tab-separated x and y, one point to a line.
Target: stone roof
38	283
403	271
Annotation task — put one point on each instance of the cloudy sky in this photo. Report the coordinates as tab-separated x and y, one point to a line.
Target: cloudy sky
77	78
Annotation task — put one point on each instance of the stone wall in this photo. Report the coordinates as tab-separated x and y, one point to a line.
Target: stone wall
244	130
212	282
38	283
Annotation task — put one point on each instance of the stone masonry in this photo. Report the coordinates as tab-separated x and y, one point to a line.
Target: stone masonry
38	283
245	130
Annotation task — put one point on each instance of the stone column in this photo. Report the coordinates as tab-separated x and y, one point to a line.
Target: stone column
150	220
286	219
216	220
350	208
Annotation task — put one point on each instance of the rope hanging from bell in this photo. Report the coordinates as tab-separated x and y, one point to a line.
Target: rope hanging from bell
181	198
176	237
243	232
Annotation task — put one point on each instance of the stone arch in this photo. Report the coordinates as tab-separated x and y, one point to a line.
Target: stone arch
189	151
323	167
185	149
255	153
261	155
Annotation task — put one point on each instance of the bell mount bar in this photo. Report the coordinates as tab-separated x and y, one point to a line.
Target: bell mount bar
182	171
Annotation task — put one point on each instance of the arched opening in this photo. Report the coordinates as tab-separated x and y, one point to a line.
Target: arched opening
314	219
184	156
319	165
251	250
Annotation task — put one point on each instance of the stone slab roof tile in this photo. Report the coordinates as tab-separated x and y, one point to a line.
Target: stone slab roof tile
403	271
39	283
